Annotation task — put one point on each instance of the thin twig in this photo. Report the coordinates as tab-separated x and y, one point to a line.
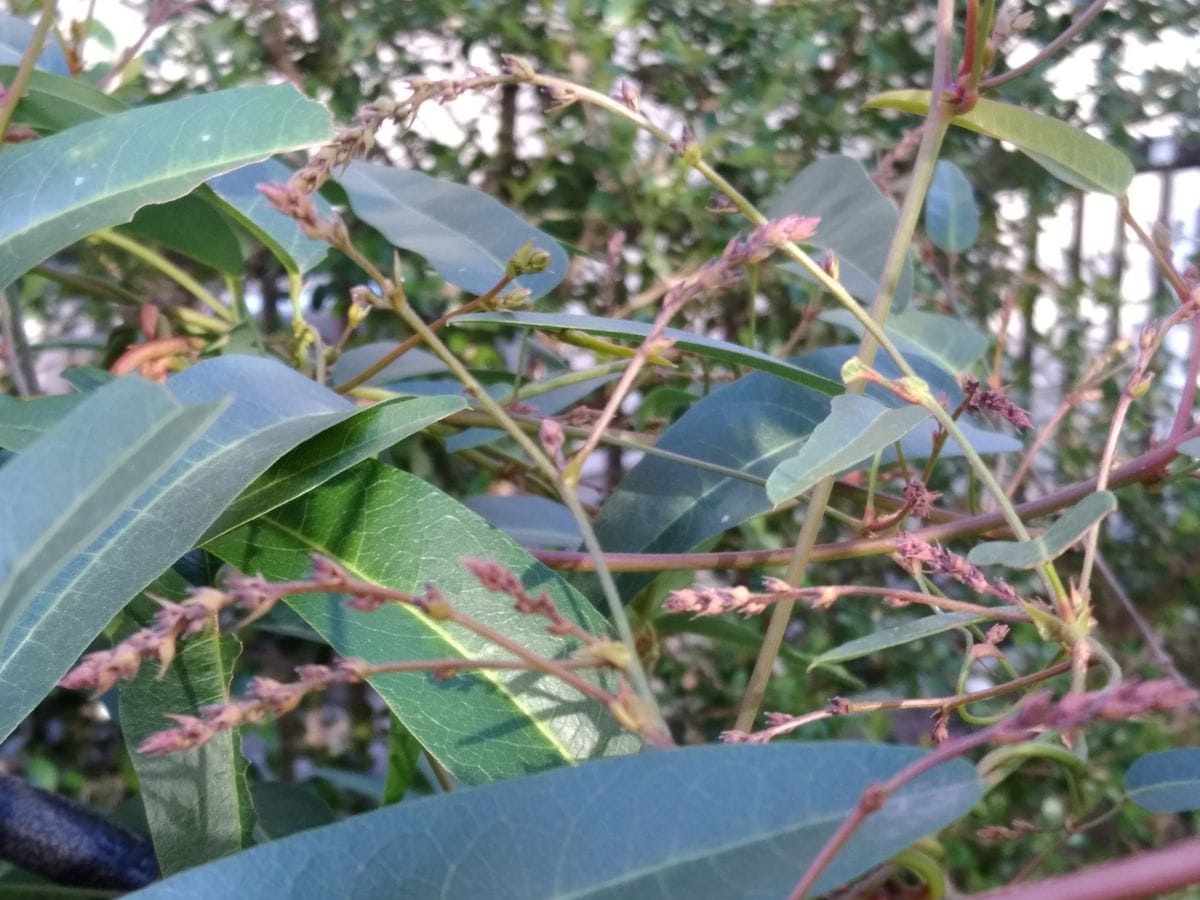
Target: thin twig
1077	25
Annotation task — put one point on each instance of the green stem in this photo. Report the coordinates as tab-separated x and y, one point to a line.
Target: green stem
25	69
156	260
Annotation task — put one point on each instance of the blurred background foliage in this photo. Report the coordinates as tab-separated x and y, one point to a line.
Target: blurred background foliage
767	88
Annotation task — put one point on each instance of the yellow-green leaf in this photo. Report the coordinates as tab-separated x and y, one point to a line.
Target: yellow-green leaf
1066	152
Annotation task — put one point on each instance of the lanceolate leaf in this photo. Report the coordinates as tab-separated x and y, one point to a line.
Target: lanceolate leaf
952	343
51	103
703	823
56	190
273	408
951	214
237	192
1066	530
69	485
1166	782
710	348
896	636
1069	154
467	236
196	802
749	426
857	222
365	434
190	225
23	421
529	520
390	528
856	429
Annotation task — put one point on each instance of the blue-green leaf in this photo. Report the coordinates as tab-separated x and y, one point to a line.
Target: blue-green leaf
702	823
1166	782
57	190
857	222
951	213
856	428
951	342
1057	539
467	236
896	636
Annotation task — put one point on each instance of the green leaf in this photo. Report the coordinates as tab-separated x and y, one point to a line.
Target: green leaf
15	36
196	801
365	434
857	222
237	193
896	636
51	103
69	485
952	343
701	822
529	520
413	364
286	809
721	351
1057	539
856	428
750	427
1066	152
190	225
481	726
467	236
57	190
404	751
23	421
273	409
951	214
1166	782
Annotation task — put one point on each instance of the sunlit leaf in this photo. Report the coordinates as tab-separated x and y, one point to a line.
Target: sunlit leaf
481	726
1066	152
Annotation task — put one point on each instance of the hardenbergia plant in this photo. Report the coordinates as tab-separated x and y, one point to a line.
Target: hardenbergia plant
449	570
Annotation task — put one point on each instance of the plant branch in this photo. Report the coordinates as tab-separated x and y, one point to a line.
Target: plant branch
1149	873
12	95
936	124
1077	25
156	260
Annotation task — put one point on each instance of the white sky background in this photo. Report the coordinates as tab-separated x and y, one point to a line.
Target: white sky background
1069	78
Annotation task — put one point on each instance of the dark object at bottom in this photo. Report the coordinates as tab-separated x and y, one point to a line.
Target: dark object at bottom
68	843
